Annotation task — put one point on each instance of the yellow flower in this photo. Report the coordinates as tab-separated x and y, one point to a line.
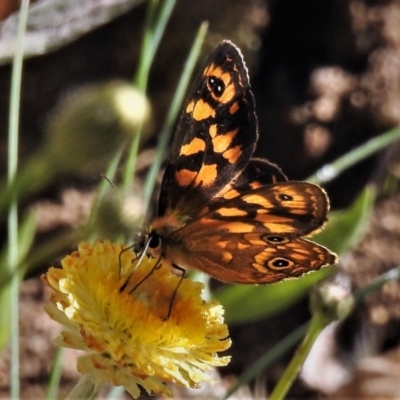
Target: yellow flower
127	338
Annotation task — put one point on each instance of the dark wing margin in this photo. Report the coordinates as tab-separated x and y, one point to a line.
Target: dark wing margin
215	137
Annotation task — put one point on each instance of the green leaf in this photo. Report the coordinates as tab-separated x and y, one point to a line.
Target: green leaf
246	303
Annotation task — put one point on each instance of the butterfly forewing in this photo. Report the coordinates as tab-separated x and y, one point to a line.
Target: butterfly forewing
215	137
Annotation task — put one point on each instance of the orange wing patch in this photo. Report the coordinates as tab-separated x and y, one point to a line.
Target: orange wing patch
185	177
207	175
202	110
234	108
213	130
232	155
223	141
195	146
231	212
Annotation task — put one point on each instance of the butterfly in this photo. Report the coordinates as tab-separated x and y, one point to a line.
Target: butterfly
234	217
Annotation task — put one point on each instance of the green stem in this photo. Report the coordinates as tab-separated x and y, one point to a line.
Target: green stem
146	53
55	375
330	171
293	369
13	137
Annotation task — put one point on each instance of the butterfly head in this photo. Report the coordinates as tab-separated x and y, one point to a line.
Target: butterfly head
148	241
154	240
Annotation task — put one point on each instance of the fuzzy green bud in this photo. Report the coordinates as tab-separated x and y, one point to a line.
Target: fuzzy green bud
91	125
118	216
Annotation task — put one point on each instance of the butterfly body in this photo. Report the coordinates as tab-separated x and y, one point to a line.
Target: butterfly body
221	211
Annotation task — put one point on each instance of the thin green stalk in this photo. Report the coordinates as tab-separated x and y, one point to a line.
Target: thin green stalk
55	375
330	171
14	300
146	55
15	97
154	29
294	367
173	111
268	358
391	275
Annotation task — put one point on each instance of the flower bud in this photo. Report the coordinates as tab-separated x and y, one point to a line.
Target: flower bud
92	123
118	215
331	301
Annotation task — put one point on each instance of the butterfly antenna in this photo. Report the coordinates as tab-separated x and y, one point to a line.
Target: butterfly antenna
143	253
109	180
137	258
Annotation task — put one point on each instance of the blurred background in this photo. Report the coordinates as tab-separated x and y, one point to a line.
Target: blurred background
326	78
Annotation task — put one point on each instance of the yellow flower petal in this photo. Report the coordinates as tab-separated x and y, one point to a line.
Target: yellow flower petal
123	327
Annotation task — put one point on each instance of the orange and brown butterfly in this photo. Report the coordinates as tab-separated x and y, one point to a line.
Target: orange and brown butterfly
235	217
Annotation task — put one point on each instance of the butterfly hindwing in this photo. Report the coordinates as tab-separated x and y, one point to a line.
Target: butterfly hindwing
255	237
250	257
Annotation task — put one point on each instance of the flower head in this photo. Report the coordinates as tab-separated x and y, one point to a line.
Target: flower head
123	327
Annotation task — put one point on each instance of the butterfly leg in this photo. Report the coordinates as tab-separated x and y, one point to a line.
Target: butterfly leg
120	259
183	272
157	265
